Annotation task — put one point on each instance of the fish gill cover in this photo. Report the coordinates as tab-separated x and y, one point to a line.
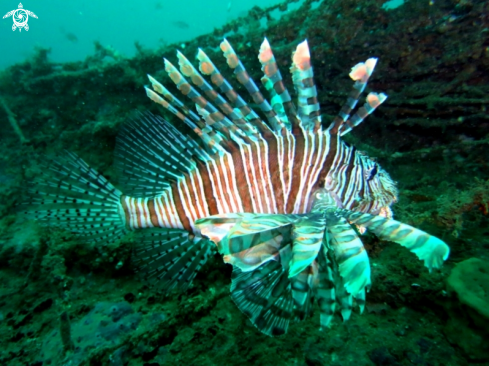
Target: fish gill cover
287	248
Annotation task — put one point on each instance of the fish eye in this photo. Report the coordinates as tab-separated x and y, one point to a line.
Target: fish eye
372	174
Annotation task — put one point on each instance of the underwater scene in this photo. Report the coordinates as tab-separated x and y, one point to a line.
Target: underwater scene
299	182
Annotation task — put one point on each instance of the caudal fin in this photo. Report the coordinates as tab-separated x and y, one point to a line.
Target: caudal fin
71	195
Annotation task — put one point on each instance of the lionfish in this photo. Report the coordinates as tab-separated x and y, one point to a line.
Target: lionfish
278	194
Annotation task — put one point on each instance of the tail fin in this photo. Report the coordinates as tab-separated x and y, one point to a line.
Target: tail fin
71	195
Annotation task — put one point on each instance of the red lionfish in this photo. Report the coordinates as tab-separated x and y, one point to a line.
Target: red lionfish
282	199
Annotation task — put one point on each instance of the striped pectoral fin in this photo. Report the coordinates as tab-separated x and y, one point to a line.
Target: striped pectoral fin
324	289
360	299
264	296
345	299
427	248
302	290
351	257
247	240
308	234
170	258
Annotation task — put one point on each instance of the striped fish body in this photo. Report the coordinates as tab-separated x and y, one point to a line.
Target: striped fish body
249	178
282	196
247	164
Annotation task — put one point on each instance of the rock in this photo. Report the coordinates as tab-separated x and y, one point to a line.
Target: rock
382	357
468	308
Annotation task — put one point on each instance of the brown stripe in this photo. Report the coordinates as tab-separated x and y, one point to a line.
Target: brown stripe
152	212
211	94
349	170
138	213
245	110
257	97
126	210
209	196
232	95
241	182
334	139
259	189
270	69
200	101
361	194
308	82
166	209
285	170
198	195
316	154
268	173
193	199
227	195
247	172
226	108
296	171
217	116
178	204
197	79
274	167
279	87
217	79
291	112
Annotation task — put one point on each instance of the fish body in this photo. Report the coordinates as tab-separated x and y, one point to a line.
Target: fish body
181	24
278	194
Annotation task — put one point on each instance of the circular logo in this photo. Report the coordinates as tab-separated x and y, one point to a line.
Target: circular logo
20	18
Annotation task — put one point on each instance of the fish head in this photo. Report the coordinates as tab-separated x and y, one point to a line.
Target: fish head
377	192
361	185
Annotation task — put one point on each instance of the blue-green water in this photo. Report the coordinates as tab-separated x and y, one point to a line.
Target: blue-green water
69	28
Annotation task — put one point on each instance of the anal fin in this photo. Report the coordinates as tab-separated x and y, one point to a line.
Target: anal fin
170	258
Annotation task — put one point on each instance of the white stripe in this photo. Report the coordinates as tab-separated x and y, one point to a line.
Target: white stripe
132	213
238	204
196	194
216	186
333	173
304	169
187	201
263	184
291	152
242	146
173	212
343	171
269	177
142	206
324	143
356	182
228	192
281	168
202	193
167	209
255	182
160	217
